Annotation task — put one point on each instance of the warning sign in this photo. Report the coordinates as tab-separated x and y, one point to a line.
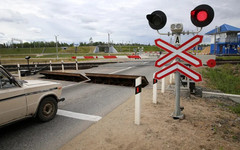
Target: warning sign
177	40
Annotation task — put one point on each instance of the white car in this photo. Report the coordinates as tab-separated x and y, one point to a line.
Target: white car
30	98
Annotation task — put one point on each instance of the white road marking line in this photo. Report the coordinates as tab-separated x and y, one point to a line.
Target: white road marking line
66	86
120	70
78	115
69	85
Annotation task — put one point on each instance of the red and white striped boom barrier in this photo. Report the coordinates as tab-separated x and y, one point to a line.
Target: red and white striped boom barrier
107	57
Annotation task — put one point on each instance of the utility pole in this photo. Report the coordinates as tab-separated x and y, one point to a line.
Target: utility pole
129	46
215	40
108	43
108	39
56	45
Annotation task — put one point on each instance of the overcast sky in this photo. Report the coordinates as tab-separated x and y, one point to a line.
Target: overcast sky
78	20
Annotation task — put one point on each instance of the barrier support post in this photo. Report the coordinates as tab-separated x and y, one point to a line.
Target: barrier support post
50	66
171	79
62	66
138	89
19	72
76	64
154	89
163	85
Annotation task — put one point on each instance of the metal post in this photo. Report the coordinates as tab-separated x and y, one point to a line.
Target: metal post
62	66
19	72
28	64
163	83
138	83
177	113
171	79
197	45
76	64
56	45
215	39
197	50
188	81
154	89
50	65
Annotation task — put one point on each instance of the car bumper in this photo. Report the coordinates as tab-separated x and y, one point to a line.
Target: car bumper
61	99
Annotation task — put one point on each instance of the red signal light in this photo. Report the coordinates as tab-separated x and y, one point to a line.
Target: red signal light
202	15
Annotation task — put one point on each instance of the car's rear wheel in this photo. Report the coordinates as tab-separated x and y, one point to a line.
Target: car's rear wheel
47	109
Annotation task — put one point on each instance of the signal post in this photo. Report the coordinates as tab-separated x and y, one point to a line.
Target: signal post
177	113
201	16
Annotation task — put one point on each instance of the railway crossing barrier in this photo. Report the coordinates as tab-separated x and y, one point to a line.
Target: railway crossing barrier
138	90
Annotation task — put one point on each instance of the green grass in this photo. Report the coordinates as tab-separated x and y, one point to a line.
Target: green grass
235	109
80	49
131	48
27	50
225	78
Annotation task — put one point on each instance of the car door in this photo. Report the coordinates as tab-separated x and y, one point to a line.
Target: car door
12	100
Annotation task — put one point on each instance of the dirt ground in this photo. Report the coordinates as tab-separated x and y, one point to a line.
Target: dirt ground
205	51
208	124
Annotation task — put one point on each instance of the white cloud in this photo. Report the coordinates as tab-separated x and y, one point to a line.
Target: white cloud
78	20
10	16
35	30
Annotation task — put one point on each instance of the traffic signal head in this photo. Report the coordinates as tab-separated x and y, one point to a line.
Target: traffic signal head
202	15
157	20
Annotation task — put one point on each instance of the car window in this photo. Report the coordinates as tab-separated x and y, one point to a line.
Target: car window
5	82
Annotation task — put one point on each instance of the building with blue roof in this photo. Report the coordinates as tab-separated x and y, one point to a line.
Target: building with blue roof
224	40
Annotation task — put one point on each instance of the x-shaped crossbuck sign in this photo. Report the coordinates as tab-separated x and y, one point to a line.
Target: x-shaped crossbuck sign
180	68
181	51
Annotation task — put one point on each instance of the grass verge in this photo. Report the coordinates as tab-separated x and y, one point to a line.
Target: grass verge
225	78
229	58
235	109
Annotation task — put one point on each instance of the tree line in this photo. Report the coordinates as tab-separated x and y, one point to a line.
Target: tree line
41	44
35	44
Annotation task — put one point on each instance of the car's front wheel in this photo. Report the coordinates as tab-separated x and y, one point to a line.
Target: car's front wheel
47	109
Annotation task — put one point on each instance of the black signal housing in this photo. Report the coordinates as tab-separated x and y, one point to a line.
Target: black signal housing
157	20
202	15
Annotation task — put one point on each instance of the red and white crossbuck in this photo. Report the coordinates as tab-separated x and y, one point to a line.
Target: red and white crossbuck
179	52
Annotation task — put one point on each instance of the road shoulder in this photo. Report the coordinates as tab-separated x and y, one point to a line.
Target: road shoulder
206	126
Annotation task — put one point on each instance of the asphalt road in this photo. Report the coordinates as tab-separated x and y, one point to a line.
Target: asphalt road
85	104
